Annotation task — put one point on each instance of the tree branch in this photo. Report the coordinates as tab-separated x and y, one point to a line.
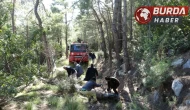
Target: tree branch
36	13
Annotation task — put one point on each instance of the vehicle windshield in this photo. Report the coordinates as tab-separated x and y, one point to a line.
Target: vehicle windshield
78	48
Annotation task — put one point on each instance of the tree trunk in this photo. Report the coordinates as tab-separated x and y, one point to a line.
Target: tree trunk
126	56
109	39
7	65
44	38
131	23
27	35
12	16
60	44
115	31
102	34
119	26
66	34
110	43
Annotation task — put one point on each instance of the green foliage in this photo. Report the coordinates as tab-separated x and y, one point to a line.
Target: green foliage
55	29
157	73
119	106
99	54
5	7
171	103
37	100
159	39
136	104
55	9
62	61
50	87
67	86
53	101
87	30
66	103
152	43
19	62
8	84
60	75
21	52
74	104
26	72
29	106
84	6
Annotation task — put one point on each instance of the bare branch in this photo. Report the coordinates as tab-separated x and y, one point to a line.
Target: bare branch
44	8
29	13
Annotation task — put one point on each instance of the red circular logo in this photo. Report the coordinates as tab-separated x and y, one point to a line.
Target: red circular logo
143	15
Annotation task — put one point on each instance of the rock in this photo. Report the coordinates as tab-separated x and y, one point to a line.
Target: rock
177	86
122	67
107	96
185	80
170	52
183	95
187	64
186	100
183	108
122	70
156	96
177	62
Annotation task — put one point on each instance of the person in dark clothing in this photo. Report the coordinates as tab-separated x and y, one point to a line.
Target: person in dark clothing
79	40
92	56
79	69
70	71
113	83
90	73
91	84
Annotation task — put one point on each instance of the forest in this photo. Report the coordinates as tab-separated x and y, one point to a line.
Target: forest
151	61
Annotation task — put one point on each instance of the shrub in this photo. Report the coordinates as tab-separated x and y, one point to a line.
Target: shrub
67	86
74	103
8	84
119	106
29	106
137	104
53	101
60	75
99	54
156	74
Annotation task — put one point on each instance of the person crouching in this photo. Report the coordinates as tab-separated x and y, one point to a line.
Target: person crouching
113	83
70	71
86	89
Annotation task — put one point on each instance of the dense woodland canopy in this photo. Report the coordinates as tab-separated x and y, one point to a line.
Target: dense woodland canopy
33	37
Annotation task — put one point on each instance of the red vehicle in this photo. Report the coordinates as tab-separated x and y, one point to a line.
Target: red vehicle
78	52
